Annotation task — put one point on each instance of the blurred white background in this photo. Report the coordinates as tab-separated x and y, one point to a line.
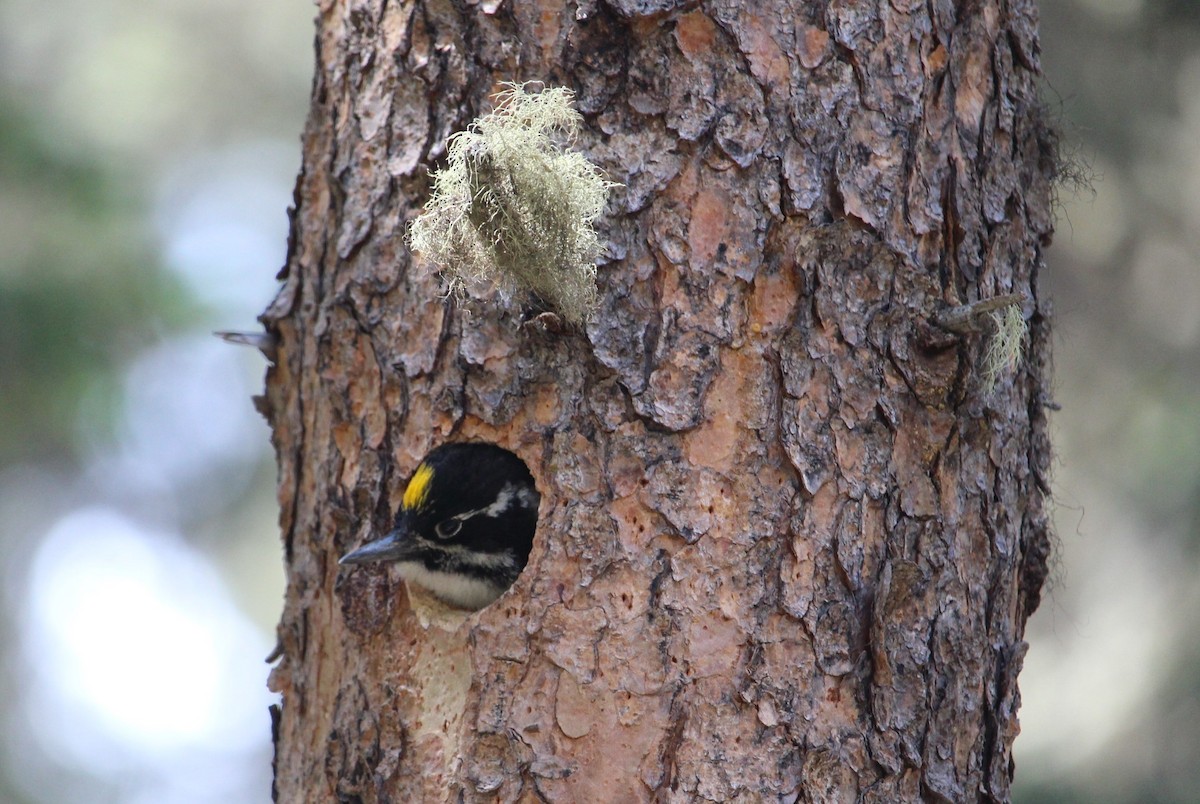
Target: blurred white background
147	156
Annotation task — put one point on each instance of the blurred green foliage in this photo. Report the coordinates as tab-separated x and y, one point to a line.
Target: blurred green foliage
81	291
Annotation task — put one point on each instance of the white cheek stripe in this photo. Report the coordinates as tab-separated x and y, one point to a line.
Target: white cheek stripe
475	558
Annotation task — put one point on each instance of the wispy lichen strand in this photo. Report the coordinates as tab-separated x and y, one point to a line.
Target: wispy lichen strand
514	206
1005	346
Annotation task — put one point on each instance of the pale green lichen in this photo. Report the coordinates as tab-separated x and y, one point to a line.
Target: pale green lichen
1006	345
514	206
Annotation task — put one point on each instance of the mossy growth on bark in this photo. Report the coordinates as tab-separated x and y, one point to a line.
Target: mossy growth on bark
514	205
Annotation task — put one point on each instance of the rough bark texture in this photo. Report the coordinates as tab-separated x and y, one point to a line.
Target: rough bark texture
787	543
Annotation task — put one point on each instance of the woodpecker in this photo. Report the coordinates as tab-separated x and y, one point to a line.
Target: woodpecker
465	525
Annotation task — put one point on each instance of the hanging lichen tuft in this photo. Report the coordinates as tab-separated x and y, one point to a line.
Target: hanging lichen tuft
514	205
1006	344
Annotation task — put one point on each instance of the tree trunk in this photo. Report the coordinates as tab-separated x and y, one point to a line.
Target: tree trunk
788	538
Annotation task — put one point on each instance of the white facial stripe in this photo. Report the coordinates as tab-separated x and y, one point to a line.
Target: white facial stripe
490	560
503	501
478	559
468	556
526	497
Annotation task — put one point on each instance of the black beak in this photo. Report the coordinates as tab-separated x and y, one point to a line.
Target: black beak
395	546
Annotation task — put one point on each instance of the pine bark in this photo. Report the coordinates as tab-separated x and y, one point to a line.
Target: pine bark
788	539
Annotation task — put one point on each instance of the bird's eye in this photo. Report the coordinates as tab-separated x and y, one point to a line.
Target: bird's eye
449	528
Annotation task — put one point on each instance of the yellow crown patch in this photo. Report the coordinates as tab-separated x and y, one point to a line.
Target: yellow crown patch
417	493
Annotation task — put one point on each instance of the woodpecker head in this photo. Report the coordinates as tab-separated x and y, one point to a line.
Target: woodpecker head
465	525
